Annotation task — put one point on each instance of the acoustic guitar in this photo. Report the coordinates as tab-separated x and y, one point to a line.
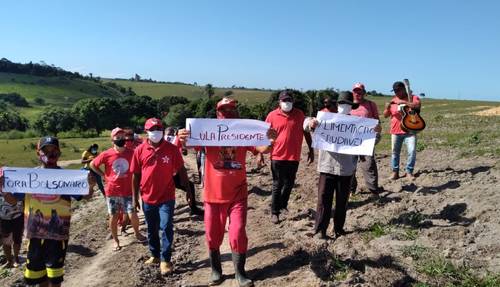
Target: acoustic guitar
411	121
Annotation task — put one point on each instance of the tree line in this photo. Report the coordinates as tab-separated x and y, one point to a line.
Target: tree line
35	69
99	114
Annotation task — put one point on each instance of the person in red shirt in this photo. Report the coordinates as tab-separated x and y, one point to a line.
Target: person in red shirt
154	164
285	156
131	142
330	103
118	190
399	136
226	195
367	164
170	136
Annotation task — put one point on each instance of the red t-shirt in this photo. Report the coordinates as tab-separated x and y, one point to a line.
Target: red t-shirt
225	174
157	167
397	116
326	110
366	109
116	171
288	144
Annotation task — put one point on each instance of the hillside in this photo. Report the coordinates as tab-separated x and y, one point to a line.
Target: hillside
64	91
192	92
60	91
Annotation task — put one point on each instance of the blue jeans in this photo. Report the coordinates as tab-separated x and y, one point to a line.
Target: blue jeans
160	217
410	141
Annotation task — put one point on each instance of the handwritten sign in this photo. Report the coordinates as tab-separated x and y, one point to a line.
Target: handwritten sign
227	132
345	134
45	181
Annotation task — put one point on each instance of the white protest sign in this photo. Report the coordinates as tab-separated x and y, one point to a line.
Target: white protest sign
345	134
45	181
227	132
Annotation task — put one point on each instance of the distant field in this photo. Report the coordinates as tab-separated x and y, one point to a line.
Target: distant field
64	92
159	90
54	90
452	124
21	152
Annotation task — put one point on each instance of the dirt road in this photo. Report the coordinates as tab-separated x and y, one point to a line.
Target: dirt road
450	211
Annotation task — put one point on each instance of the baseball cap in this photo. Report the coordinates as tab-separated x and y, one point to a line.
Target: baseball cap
227	102
48	140
117	130
358	86
153	122
285	95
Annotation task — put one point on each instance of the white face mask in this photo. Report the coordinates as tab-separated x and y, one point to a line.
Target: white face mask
286	106
344	109
155	136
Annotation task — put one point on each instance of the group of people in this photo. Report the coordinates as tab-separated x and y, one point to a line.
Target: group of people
146	174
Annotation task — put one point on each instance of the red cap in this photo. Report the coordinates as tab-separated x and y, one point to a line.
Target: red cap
115	131
152	122
358	86
227	102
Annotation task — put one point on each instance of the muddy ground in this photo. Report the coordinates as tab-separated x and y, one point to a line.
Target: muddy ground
451	212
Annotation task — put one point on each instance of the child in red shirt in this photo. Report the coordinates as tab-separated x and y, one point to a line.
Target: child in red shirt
116	161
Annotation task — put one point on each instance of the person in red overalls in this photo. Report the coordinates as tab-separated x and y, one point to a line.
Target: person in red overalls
226	195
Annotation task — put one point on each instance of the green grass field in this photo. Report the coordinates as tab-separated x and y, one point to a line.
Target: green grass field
54	90
191	92
451	124
21	152
64	92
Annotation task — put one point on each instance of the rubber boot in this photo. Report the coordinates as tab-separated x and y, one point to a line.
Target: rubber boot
239	270
216	277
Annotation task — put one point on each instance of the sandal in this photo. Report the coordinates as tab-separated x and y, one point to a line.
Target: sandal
141	238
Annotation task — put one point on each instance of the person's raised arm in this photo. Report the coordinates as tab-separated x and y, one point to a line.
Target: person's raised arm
387	110
183	136
272	134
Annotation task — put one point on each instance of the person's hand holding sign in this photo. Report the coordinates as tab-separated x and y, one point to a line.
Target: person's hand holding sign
272	134
313	123
183	135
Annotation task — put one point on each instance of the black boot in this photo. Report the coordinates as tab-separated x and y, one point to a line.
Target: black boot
195	210
216	276
239	270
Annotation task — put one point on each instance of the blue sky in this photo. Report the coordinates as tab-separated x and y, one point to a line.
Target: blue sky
448	49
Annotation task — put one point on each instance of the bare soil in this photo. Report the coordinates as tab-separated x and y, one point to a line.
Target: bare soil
452	208
495	111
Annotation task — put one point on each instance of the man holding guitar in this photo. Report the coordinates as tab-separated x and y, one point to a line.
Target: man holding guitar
401	102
